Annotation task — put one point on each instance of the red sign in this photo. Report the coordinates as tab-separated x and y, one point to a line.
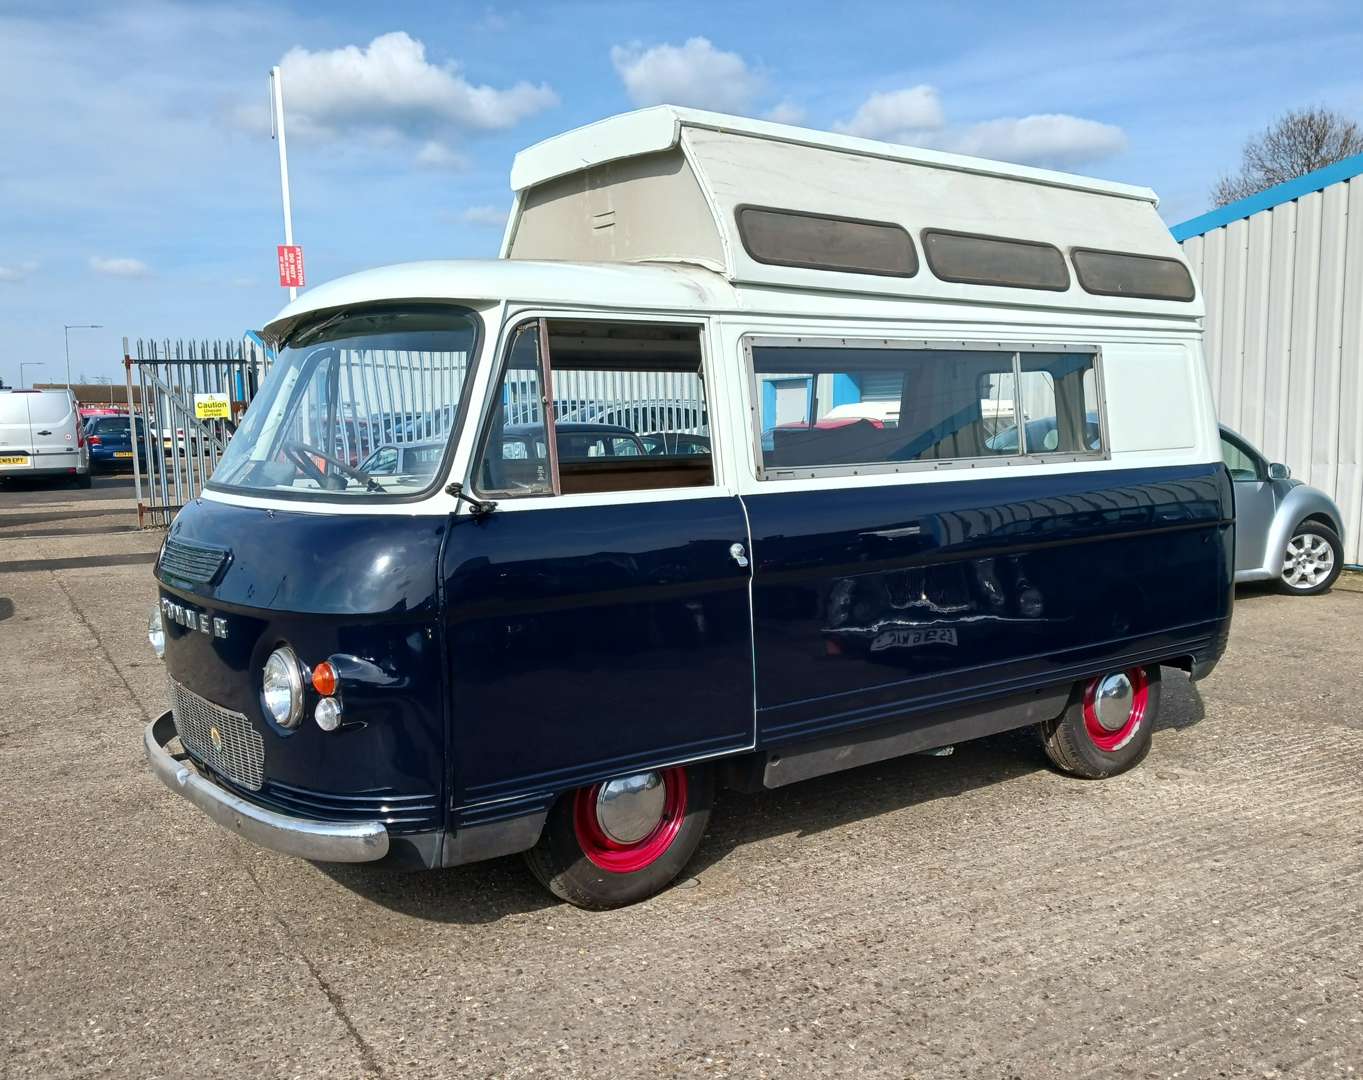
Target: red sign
291	266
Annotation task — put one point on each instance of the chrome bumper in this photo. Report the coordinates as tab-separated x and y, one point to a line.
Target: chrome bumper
321	841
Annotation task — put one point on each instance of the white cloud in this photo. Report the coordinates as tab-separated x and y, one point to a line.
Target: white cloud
389	84
914	115
436	155
17	271
787	112
694	73
119	267
896	115
1044	139
485	215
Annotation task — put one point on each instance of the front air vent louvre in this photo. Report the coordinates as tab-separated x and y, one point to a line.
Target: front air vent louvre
191	561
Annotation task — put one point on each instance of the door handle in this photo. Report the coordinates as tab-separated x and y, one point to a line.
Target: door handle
739	554
44	433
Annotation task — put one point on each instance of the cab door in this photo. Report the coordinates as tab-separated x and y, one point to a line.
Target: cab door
598	619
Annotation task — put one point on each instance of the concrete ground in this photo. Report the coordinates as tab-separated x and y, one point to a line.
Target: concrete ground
971	916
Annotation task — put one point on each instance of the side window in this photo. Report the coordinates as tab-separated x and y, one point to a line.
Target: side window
516	423
623	394
839	406
383	463
1243	465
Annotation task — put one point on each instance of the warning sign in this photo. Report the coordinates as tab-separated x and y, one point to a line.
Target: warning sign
290	266
212	407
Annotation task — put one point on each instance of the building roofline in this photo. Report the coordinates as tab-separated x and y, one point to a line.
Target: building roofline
1344	169
659	128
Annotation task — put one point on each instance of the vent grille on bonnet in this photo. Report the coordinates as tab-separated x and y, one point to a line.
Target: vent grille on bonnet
193	562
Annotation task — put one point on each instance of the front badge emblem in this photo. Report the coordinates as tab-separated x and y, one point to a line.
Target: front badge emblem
216	736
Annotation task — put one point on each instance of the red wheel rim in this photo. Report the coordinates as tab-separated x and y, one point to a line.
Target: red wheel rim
1109	741
618	858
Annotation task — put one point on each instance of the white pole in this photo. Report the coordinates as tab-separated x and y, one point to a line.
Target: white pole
277	131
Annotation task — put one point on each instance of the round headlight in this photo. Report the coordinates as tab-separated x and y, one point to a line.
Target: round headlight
156	633
282	687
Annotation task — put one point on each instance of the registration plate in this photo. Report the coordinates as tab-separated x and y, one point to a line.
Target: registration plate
123	453
14	459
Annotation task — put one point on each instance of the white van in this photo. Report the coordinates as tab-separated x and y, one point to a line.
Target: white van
41	435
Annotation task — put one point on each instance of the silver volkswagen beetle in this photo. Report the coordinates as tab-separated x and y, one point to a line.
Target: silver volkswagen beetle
1284	530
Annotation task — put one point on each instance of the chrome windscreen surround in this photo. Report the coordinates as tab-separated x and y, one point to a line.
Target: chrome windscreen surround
223	740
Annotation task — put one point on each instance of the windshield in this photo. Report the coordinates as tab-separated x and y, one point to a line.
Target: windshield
358	405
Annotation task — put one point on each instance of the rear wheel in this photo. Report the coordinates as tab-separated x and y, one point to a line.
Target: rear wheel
84	480
1313	560
625	839
1107	725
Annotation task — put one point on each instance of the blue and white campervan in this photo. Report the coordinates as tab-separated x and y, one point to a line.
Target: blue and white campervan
759	454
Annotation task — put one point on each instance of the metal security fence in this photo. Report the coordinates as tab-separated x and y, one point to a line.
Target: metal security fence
183	389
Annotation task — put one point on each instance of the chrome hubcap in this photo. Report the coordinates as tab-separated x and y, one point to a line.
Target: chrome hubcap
630	807
1308	562
1112	701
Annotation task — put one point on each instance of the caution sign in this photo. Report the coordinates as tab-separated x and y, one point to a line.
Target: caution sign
212	407
290	265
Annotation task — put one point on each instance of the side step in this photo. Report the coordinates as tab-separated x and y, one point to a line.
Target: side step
911	735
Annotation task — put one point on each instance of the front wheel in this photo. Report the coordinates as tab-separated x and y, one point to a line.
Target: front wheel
1107	725
624	839
1313	560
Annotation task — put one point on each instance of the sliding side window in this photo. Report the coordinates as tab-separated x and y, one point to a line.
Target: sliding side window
843	408
629	411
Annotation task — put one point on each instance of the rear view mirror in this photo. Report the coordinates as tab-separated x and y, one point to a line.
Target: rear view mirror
1279	472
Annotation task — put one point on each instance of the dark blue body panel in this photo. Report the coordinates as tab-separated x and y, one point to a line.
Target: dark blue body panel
874	602
362	585
518	655
586	641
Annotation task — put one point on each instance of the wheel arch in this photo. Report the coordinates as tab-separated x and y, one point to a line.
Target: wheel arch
1303	503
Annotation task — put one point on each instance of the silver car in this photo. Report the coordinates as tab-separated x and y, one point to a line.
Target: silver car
1285	531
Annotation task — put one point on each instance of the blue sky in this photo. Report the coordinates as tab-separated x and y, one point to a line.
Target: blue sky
139	185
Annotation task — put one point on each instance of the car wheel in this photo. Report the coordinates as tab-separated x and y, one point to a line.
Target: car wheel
1106	727
625	839
1312	561
84	480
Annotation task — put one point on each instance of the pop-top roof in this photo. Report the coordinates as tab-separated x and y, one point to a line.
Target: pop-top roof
670	185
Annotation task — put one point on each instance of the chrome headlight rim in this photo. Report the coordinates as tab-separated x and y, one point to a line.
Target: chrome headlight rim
156	632
287	664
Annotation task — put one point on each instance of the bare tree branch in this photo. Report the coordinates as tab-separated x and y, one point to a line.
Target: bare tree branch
1299	142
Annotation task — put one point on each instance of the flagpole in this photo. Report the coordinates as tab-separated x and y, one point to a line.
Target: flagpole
277	132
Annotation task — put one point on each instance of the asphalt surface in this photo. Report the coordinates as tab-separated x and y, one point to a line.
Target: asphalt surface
971	916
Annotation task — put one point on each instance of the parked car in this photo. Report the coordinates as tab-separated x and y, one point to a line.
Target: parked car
1285	530
41	435
416	460
1043	435
111	443
576	442
674	443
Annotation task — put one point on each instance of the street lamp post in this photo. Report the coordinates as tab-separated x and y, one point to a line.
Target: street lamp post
28	363
66	332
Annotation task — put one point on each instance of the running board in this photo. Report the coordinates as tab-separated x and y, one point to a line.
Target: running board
911	735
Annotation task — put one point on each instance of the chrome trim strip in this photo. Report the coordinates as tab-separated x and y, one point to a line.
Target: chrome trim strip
321	841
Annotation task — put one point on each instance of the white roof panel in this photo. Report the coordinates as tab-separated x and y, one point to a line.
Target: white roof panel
648	130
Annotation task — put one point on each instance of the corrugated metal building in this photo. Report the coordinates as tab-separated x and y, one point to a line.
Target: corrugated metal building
1282	276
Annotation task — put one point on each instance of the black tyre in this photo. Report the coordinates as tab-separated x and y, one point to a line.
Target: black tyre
1107	725
624	840
84	480
1313	560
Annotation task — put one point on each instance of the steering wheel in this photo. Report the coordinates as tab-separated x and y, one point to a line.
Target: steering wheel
301	455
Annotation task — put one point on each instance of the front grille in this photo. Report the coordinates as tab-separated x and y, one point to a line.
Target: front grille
238	752
192	562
